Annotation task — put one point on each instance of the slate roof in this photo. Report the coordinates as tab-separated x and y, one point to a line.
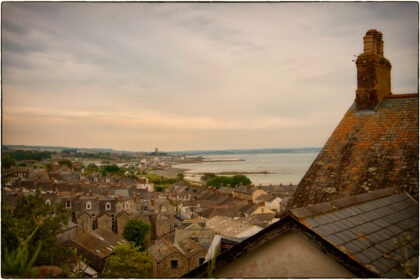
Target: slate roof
100	242
161	249
227	226
365	227
358	231
189	247
368	150
227	211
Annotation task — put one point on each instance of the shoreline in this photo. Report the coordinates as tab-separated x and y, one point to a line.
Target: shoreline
241	173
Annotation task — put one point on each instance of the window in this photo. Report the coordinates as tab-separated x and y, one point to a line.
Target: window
108	206
88	205
93	215
93	226
145	208
113	217
68	204
48	202
163	208
201	260
174	264
127	205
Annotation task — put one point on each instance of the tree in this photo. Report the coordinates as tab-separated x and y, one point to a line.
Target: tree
207	176
113	169
239	179
218	181
136	231
180	176
31	212
236	180
65	162
92	168
7	161
128	262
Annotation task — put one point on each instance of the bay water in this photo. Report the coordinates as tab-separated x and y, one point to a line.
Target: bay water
284	168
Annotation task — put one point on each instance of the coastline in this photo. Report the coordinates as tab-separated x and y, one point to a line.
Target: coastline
169	172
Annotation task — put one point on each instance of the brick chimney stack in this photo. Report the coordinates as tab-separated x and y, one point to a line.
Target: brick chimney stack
373	72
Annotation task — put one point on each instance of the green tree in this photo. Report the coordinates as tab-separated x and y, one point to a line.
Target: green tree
218	181
92	168
48	166
236	180
207	176
65	162
113	169
32	212
7	161
128	262
239	179
180	176
136	231
34	155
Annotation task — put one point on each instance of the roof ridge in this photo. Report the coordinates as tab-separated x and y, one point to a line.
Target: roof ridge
333	205
404	95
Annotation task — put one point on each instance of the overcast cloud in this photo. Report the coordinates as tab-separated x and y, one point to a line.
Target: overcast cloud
182	76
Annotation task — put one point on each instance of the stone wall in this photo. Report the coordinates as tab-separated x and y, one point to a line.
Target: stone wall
164	269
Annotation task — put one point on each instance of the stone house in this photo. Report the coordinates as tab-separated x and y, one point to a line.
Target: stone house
243	193
85	223
271	202
258	209
106	221
88	204
234	228
95	246
161	225
122	219
257	193
168	260
194	252
196	231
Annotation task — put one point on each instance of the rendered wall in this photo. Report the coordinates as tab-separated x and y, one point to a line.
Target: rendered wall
289	255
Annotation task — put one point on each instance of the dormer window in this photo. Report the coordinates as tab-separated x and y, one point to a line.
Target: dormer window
48	202
127	205
89	205
108	206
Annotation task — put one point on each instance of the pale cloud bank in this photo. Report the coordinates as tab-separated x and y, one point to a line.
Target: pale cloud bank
191	75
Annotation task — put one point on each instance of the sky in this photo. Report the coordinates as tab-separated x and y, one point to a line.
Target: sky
191	76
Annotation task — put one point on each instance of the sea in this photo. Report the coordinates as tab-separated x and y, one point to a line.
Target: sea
281	168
